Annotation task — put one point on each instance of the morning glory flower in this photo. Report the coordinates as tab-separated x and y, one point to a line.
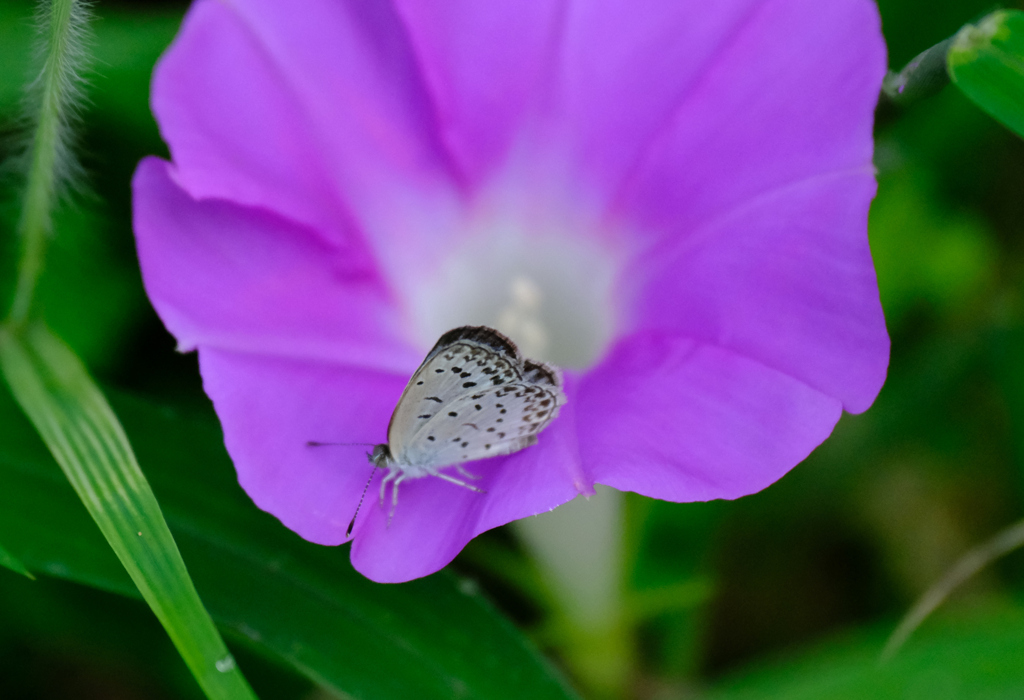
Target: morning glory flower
666	199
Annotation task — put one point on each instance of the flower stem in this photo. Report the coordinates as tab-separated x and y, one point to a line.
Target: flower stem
55	91
924	76
578	550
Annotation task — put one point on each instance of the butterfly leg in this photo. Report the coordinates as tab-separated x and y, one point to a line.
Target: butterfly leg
460	470
392	473
458	482
394	496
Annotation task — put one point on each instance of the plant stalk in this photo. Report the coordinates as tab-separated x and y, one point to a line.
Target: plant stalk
49	160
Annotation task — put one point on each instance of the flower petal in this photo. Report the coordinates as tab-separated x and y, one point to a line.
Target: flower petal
482	62
622	73
317	182
316	114
791	95
271	407
676	419
233	277
786	281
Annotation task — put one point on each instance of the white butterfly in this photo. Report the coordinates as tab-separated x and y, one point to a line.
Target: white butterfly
473	397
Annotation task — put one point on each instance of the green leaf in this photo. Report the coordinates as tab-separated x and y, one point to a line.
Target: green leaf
84	436
987	63
9	561
287	599
979	657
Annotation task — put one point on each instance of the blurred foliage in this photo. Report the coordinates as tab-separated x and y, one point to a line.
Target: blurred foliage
789	593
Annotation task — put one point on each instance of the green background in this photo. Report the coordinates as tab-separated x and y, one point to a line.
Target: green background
789	593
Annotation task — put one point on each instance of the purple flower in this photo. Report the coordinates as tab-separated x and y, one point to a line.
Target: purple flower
667	199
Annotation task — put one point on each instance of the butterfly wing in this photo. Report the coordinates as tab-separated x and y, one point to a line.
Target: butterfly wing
473	397
499	420
461	360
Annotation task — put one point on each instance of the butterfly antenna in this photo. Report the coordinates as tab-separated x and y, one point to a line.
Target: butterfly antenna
314	443
352	523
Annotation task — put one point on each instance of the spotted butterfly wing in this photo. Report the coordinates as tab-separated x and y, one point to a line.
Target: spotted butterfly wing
473	397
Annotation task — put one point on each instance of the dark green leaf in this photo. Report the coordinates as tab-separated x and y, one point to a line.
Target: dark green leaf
977	658
84	436
987	64
9	561
288	599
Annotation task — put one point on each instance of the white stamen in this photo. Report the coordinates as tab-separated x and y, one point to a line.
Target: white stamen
521	318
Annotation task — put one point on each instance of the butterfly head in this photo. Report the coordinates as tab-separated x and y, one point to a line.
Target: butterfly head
381	456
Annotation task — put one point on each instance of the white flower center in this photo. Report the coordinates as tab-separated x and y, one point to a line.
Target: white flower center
550	293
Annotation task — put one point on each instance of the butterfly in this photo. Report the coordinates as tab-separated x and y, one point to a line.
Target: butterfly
474	396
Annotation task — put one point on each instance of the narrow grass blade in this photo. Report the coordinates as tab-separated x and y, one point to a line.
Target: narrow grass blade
9	561
987	63
85	437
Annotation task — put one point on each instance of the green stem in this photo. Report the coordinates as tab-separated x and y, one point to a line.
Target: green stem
48	155
922	77
968	565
